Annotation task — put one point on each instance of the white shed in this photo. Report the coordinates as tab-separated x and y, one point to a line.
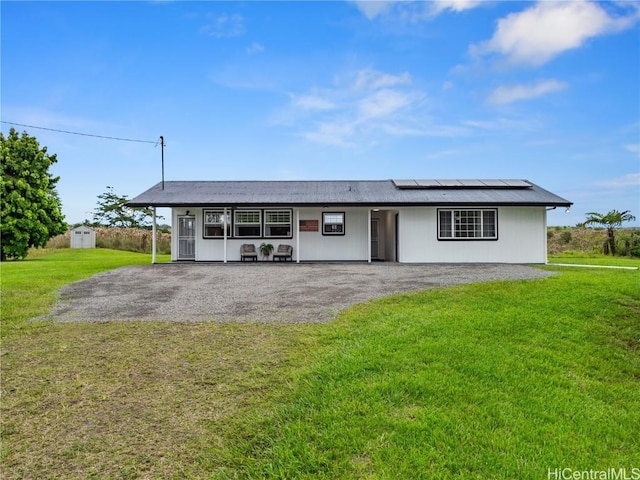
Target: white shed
83	237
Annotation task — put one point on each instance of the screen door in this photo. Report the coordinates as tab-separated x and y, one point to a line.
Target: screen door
186	238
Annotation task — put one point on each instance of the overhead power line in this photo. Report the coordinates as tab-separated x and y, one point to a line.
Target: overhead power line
82	134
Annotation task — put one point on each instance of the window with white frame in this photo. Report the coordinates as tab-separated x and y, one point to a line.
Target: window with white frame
481	224
247	223
214	221
277	223
333	223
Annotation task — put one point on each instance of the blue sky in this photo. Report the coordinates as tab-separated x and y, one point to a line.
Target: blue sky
546	91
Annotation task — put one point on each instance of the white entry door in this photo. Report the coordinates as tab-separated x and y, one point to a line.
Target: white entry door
186	238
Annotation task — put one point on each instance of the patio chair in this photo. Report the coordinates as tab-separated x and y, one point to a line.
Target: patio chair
283	252
248	250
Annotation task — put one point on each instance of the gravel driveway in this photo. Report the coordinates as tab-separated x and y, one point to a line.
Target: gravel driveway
269	292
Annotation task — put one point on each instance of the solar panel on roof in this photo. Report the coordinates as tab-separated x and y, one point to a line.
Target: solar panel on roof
493	183
472	183
428	183
517	183
405	183
449	183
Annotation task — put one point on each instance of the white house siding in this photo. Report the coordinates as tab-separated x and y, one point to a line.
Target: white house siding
314	246
521	238
353	245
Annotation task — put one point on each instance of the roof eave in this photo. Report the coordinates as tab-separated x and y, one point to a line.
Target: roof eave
346	204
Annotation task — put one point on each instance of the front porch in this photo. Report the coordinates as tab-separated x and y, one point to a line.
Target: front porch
314	234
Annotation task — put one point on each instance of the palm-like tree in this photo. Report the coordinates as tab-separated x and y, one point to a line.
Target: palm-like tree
610	221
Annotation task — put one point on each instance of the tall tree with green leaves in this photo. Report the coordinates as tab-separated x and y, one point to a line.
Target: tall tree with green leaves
30	209
610	221
112	211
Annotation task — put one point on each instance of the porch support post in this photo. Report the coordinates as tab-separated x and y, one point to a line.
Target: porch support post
224	228
154	234
544	232
297	235
369	235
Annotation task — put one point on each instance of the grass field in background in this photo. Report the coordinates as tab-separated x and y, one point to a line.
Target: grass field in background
495	380
594	259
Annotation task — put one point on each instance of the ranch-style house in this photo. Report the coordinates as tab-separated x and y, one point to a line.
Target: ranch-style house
408	221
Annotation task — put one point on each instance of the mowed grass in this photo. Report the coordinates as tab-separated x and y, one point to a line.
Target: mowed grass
582	258
496	380
29	286
125	399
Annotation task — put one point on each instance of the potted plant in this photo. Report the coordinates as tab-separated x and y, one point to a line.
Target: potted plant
265	250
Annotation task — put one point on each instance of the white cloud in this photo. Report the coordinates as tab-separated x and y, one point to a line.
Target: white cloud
224	26
372	9
368	79
312	102
336	132
632	147
536	35
382	103
405	10
440	6
358	106
504	124
629	180
513	93
447	85
255	48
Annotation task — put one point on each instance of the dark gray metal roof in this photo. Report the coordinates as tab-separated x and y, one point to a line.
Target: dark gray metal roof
347	193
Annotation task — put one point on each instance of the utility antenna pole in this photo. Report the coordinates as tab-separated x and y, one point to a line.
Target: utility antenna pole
162	148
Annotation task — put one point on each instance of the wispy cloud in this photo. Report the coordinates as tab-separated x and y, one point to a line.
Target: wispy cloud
504	124
224	26
373	9
42	117
368	79
382	104
629	180
513	93
312	102
632	147
549	28
337	132
255	48
358	106
440	6
412	11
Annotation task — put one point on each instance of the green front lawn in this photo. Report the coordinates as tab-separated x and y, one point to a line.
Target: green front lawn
497	380
500	380
28	287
